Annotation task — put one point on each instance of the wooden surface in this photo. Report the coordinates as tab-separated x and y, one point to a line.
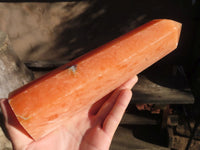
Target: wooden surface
125	140
149	92
13	73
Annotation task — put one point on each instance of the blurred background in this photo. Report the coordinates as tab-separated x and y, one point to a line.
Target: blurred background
164	112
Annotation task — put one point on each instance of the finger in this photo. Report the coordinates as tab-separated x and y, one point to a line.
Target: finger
114	117
108	105
18	135
130	83
96	106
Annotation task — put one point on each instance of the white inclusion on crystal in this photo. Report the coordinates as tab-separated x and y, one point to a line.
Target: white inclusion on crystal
73	68
156	41
35	86
116	46
51	121
100	75
56	76
24	118
26	91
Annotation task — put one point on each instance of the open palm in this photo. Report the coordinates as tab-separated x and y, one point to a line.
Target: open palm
91	129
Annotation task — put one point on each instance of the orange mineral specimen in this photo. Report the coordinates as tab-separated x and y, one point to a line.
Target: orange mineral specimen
44	104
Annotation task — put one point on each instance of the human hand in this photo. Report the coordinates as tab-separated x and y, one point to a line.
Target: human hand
92	129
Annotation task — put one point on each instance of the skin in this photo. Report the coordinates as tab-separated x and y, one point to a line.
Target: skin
92	129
